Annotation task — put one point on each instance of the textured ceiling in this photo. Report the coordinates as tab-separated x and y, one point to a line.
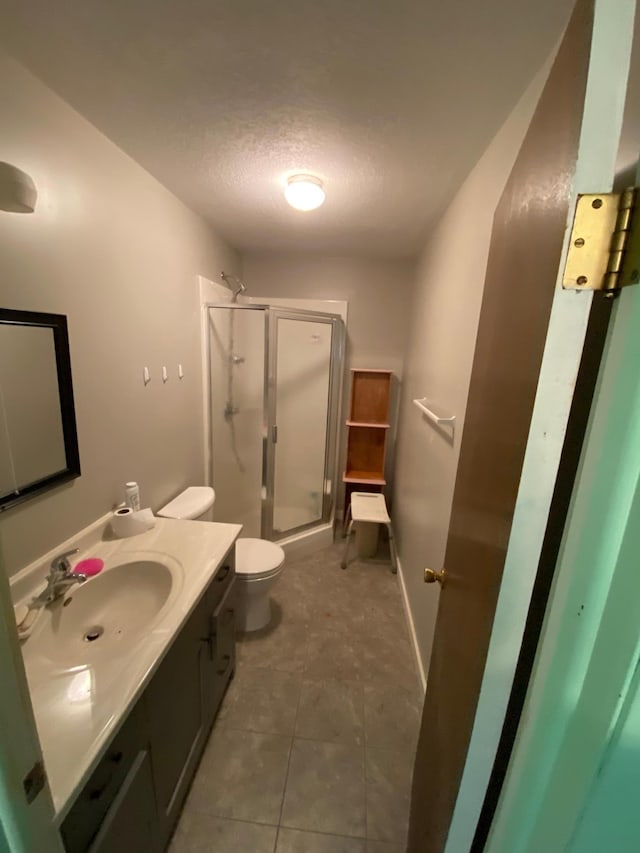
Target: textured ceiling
390	102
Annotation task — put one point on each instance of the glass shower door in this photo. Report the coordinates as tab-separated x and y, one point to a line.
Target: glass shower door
303	392
237	366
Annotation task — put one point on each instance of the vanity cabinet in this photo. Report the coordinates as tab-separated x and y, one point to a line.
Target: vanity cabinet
133	799
174	709
218	664
106	784
132	822
185	693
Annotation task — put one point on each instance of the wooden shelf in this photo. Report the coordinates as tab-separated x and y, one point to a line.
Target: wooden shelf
370	391
368	424
375	425
375	477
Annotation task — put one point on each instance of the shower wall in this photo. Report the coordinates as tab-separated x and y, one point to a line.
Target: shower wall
237	365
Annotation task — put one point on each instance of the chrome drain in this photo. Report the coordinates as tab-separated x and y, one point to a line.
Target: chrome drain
93	633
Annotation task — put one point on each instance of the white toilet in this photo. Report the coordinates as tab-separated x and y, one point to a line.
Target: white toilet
258	562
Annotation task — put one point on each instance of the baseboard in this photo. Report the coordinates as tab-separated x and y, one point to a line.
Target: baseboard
412	630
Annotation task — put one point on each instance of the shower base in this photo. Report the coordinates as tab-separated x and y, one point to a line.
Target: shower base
308	541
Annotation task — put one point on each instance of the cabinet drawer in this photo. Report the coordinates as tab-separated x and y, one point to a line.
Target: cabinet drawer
222	581
83	821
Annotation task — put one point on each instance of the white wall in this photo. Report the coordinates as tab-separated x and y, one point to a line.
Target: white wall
119	255
439	355
379	296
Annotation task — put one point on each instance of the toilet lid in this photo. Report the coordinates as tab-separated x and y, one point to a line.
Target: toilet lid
190	504
256	557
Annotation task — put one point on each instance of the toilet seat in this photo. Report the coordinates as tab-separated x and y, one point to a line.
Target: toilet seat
257	558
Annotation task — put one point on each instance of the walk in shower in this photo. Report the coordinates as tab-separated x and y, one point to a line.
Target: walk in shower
274	387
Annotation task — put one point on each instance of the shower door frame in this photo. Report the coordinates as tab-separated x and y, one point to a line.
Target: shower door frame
334	399
207	381
334	396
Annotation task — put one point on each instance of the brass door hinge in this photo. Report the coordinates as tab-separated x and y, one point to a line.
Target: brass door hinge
604	250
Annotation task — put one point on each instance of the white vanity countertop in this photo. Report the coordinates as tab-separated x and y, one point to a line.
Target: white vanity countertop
79	708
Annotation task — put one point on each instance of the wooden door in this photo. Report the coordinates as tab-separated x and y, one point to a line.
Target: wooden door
24	825
525	252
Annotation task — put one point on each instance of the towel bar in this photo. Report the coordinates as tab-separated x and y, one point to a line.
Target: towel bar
427	407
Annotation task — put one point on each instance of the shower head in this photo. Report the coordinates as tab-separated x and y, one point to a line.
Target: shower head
239	289
235	285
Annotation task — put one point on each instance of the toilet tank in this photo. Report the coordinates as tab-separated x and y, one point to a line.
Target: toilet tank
196	502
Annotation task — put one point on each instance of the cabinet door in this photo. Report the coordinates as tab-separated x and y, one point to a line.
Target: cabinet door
174	709
223	579
225	624
132	821
219	662
96	799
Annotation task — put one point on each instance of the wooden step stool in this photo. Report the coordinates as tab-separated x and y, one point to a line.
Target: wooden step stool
372	508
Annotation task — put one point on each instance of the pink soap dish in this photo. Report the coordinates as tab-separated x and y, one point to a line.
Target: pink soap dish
89	567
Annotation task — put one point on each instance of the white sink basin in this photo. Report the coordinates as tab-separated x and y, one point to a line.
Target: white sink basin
105	615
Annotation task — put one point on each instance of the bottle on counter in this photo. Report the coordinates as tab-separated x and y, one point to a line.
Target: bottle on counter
132	495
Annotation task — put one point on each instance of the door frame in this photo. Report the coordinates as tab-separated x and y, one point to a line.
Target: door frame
24	827
590	643
496	718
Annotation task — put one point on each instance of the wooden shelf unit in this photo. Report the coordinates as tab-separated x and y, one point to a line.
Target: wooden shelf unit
370	393
375	478
368	423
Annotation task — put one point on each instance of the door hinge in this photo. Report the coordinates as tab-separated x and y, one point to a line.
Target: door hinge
34	781
604	250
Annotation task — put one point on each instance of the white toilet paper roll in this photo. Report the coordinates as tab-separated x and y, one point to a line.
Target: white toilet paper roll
126	522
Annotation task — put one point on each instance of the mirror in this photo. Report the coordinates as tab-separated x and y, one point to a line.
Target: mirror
38	438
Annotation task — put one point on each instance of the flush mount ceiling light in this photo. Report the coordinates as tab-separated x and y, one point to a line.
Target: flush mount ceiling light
304	192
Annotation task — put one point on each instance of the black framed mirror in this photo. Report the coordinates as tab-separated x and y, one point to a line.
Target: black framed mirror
38	436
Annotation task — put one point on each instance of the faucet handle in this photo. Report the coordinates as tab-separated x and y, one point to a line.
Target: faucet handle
62	561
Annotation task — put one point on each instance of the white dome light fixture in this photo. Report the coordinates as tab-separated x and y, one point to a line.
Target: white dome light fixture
304	192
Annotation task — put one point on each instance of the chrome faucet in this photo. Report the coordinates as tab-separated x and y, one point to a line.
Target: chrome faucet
59	579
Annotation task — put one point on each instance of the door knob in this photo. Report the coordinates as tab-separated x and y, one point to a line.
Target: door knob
434	576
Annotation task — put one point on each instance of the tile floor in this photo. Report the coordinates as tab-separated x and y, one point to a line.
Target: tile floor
313	748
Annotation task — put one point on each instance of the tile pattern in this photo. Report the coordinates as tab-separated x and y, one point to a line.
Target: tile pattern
201	833
296	841
313	748
241	776
325	788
